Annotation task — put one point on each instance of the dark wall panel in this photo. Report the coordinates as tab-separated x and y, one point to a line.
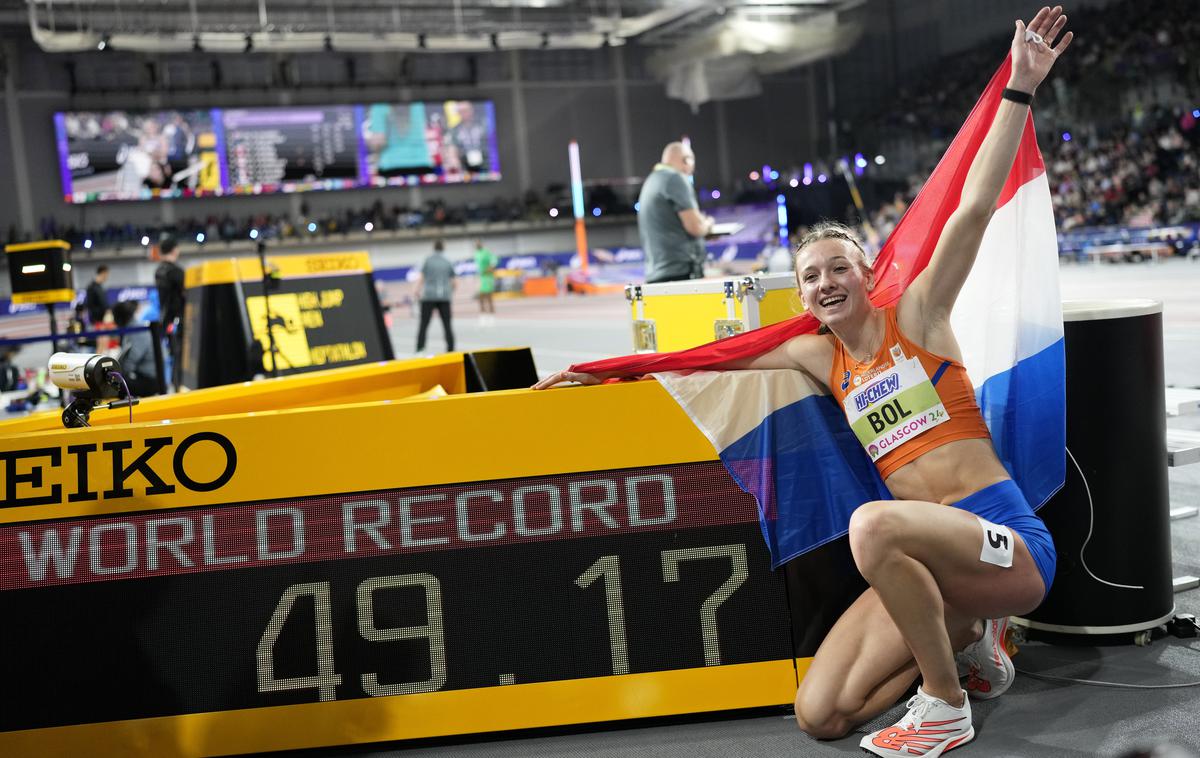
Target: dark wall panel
555	116
656	120
9	211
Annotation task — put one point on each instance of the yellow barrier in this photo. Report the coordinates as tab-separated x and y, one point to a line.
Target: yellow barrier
274	577
384	380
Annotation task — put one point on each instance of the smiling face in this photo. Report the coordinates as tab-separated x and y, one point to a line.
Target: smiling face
834	279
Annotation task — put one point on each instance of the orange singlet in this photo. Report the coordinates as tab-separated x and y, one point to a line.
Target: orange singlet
905	439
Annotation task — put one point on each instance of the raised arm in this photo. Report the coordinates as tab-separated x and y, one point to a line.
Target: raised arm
930	298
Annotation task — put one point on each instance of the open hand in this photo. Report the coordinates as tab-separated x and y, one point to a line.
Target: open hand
558	377
1034	53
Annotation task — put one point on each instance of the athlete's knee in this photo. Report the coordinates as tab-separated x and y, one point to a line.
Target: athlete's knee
819	717
821	730
875	528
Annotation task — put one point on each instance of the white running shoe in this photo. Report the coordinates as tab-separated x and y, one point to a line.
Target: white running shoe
986	663
930	728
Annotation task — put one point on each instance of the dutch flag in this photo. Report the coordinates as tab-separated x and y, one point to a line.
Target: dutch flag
786	442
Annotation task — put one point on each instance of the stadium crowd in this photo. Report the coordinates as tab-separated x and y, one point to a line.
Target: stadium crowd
1118	130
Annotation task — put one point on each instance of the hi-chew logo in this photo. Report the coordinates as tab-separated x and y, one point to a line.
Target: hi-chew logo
877	391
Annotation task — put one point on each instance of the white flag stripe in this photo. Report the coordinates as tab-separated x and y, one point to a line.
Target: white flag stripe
1010	307
727	405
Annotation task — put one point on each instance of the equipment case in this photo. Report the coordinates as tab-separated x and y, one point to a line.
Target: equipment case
677	315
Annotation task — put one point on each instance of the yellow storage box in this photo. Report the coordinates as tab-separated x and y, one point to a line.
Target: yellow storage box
677	315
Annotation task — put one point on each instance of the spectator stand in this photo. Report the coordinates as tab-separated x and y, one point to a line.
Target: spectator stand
1121	243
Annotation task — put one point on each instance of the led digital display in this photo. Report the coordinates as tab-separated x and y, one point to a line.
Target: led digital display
317	323
377	594
290	149
119	155
140	155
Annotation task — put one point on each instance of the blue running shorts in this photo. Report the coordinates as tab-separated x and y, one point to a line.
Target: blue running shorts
1003	503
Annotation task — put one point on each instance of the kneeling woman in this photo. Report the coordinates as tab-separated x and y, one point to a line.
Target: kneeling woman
934	571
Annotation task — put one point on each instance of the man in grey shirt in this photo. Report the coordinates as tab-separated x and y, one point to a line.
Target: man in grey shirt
435	285
670	223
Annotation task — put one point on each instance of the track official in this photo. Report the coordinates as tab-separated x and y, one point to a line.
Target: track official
670	223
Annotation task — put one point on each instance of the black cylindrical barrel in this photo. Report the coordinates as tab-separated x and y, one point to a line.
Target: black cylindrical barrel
1111	520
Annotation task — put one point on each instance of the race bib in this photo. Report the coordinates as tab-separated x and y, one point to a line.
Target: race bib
998	544
894	407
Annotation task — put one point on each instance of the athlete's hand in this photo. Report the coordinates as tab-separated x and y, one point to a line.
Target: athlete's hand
1034	50
558	377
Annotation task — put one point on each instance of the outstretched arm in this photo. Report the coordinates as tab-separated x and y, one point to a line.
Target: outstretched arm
810	353
930	297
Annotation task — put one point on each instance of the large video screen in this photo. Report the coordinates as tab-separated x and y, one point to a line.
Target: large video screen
124	155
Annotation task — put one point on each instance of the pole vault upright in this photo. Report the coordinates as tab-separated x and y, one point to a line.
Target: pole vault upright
581	246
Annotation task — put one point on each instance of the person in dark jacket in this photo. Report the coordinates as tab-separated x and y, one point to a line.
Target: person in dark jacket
95	299
168	279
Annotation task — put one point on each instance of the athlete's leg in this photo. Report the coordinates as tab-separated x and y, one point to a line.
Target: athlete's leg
921	557
863	667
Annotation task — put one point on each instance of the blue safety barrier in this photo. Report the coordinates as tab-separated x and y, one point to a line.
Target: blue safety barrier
73	336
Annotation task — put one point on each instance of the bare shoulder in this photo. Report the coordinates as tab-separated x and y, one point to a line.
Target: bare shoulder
812	353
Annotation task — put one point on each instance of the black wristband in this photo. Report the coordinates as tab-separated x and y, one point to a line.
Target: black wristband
1017	96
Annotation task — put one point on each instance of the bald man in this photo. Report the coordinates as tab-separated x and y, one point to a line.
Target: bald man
670	223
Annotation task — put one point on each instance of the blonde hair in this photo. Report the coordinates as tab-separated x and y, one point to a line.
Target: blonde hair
832	230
